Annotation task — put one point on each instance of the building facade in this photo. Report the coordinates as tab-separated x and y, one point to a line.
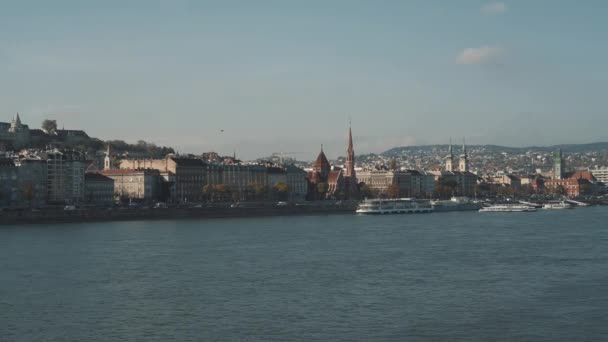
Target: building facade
135	185
187	174
99	189
65	176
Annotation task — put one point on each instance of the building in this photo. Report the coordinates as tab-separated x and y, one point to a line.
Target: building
296	180
32	182
327	182
184	177
99	189
350	177
508	180
558	165
601	174
15	133
275	176
572	187
65	176
463	165
142	185
449	159
8	181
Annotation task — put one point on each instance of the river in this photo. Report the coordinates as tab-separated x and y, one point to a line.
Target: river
431	277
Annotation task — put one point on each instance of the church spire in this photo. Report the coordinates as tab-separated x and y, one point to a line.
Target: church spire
107	161
449	159
464	160
349	166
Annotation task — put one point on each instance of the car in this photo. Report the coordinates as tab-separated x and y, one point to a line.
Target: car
69	208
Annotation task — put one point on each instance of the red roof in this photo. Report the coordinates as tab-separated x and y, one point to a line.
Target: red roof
321	162
333	176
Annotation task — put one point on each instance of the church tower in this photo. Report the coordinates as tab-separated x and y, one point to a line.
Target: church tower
449	159
321	165
349	166
107	161
464	159
558	165
15	124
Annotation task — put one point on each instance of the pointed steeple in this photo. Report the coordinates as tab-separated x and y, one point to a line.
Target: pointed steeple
464	160
449	159
349	166
464	147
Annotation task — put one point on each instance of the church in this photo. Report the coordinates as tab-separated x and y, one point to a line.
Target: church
325	181
15	133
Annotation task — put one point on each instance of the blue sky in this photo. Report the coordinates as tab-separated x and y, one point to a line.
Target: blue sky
287	75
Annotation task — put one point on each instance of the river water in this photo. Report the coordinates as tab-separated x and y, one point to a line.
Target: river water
446	276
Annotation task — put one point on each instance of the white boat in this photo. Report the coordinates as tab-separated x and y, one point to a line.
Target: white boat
393	206
507	208
558	205
455	204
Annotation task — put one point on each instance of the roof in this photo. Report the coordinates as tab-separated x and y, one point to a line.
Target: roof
37	132
96	177
275	170
333	176
71	132
321	162
117	172
584	174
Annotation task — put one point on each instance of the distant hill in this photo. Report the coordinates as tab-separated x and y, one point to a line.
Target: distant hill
566	148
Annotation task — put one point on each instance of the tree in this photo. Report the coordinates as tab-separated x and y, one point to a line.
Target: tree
365	191
257	190
49	126
393	191
209	190
28	193
282	190
322	189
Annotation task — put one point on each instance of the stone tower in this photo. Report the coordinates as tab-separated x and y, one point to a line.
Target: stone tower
558	165
107	161
449	159
464	159
15	124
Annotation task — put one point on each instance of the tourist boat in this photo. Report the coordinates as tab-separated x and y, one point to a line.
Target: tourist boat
393	206
557	205
455	204
507	208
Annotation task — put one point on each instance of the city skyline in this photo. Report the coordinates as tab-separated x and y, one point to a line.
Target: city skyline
204	76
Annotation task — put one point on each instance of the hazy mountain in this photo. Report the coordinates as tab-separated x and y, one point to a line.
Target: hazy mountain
566	148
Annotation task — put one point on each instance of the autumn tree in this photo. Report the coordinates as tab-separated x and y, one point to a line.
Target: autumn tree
322	189
49	126
393	191
365	191
281	189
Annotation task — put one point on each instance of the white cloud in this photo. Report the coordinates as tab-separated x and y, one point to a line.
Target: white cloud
493	8
480	55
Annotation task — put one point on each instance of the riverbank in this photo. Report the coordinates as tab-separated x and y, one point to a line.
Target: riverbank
126	214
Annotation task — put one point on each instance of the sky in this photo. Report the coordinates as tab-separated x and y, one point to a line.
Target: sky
257	77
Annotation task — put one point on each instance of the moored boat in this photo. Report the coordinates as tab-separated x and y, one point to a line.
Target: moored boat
507	208
393	206
557	205
455	204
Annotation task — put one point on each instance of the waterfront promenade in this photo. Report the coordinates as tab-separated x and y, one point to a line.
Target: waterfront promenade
59	215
